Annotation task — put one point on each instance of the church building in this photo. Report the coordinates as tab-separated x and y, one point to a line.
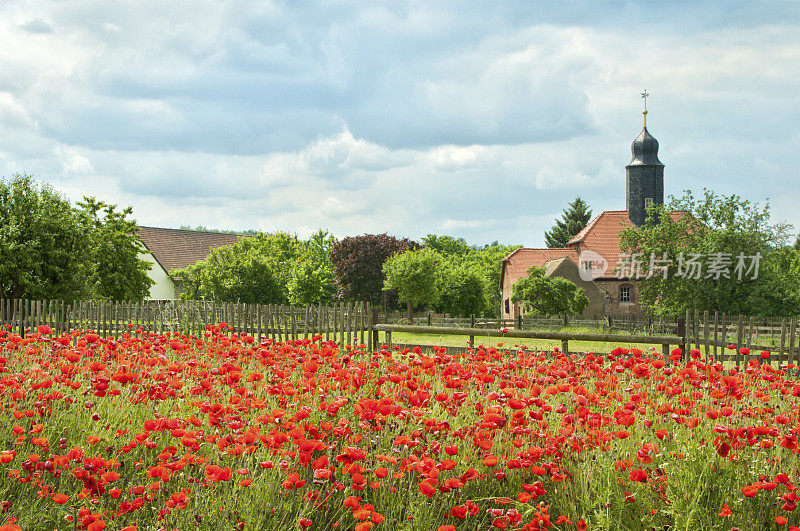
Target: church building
592	258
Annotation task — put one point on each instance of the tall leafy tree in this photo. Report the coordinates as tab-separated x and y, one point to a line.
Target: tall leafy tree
461	289
254	270
549	295
117	273
573	219
413	275
51	250
721	253
446	245
312	279
274	268
463	270
358	264
488	263
44	248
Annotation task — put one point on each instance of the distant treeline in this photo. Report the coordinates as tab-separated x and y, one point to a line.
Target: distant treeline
282	268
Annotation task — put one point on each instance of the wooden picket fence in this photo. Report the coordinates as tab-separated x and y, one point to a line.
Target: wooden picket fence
713	333
352	323
343	323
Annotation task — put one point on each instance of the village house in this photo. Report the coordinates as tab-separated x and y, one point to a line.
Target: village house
595	249
172	249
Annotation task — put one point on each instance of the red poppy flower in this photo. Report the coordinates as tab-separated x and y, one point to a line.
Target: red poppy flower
638	475
426	489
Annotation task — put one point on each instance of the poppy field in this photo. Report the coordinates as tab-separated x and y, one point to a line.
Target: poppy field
226	431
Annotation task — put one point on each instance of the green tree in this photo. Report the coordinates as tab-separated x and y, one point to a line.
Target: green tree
413	274
358	264
118	273
267	269
51	250
488	263
797	243
573	219
549	295
756	273
312	278
461	289
44	248
245	272
461	266
446	245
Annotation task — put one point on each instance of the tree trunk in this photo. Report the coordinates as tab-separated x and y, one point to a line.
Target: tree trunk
566	321
410	313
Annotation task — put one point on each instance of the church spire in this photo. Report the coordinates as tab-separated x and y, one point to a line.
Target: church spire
644	112
644	174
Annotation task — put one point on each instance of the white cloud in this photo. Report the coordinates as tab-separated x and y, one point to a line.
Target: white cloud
549	178
72	161
453	158
405	118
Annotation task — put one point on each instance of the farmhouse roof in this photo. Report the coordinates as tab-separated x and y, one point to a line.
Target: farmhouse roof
551	265
601	235
178	248
517	263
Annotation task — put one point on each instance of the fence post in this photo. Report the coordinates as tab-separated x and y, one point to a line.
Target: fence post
349	333
716	333
792	330
782	352
370	324
472	325
687	336
739	339
373	332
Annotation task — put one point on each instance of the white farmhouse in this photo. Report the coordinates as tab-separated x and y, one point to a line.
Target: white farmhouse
172	249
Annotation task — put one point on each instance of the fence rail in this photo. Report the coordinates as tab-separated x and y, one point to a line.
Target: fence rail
564	337
343	323
350	323
632	325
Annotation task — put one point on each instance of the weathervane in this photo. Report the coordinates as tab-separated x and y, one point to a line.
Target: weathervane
644	112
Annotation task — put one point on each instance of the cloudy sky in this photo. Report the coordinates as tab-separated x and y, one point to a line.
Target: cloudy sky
475	119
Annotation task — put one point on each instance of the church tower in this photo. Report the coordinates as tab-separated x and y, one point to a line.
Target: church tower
644	175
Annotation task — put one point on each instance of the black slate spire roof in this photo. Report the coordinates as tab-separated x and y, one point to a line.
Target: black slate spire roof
645	150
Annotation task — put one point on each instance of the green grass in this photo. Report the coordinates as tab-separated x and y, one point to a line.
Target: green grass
443	340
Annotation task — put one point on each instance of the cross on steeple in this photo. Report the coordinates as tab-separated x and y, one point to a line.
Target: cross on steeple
644	112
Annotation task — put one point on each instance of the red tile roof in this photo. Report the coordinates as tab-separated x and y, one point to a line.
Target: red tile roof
601	235
516	264
178	248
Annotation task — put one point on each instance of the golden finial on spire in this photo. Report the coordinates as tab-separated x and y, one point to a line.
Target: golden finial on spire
644	112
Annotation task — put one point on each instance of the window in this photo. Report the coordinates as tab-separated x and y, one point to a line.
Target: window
625	294
508	309
648	202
